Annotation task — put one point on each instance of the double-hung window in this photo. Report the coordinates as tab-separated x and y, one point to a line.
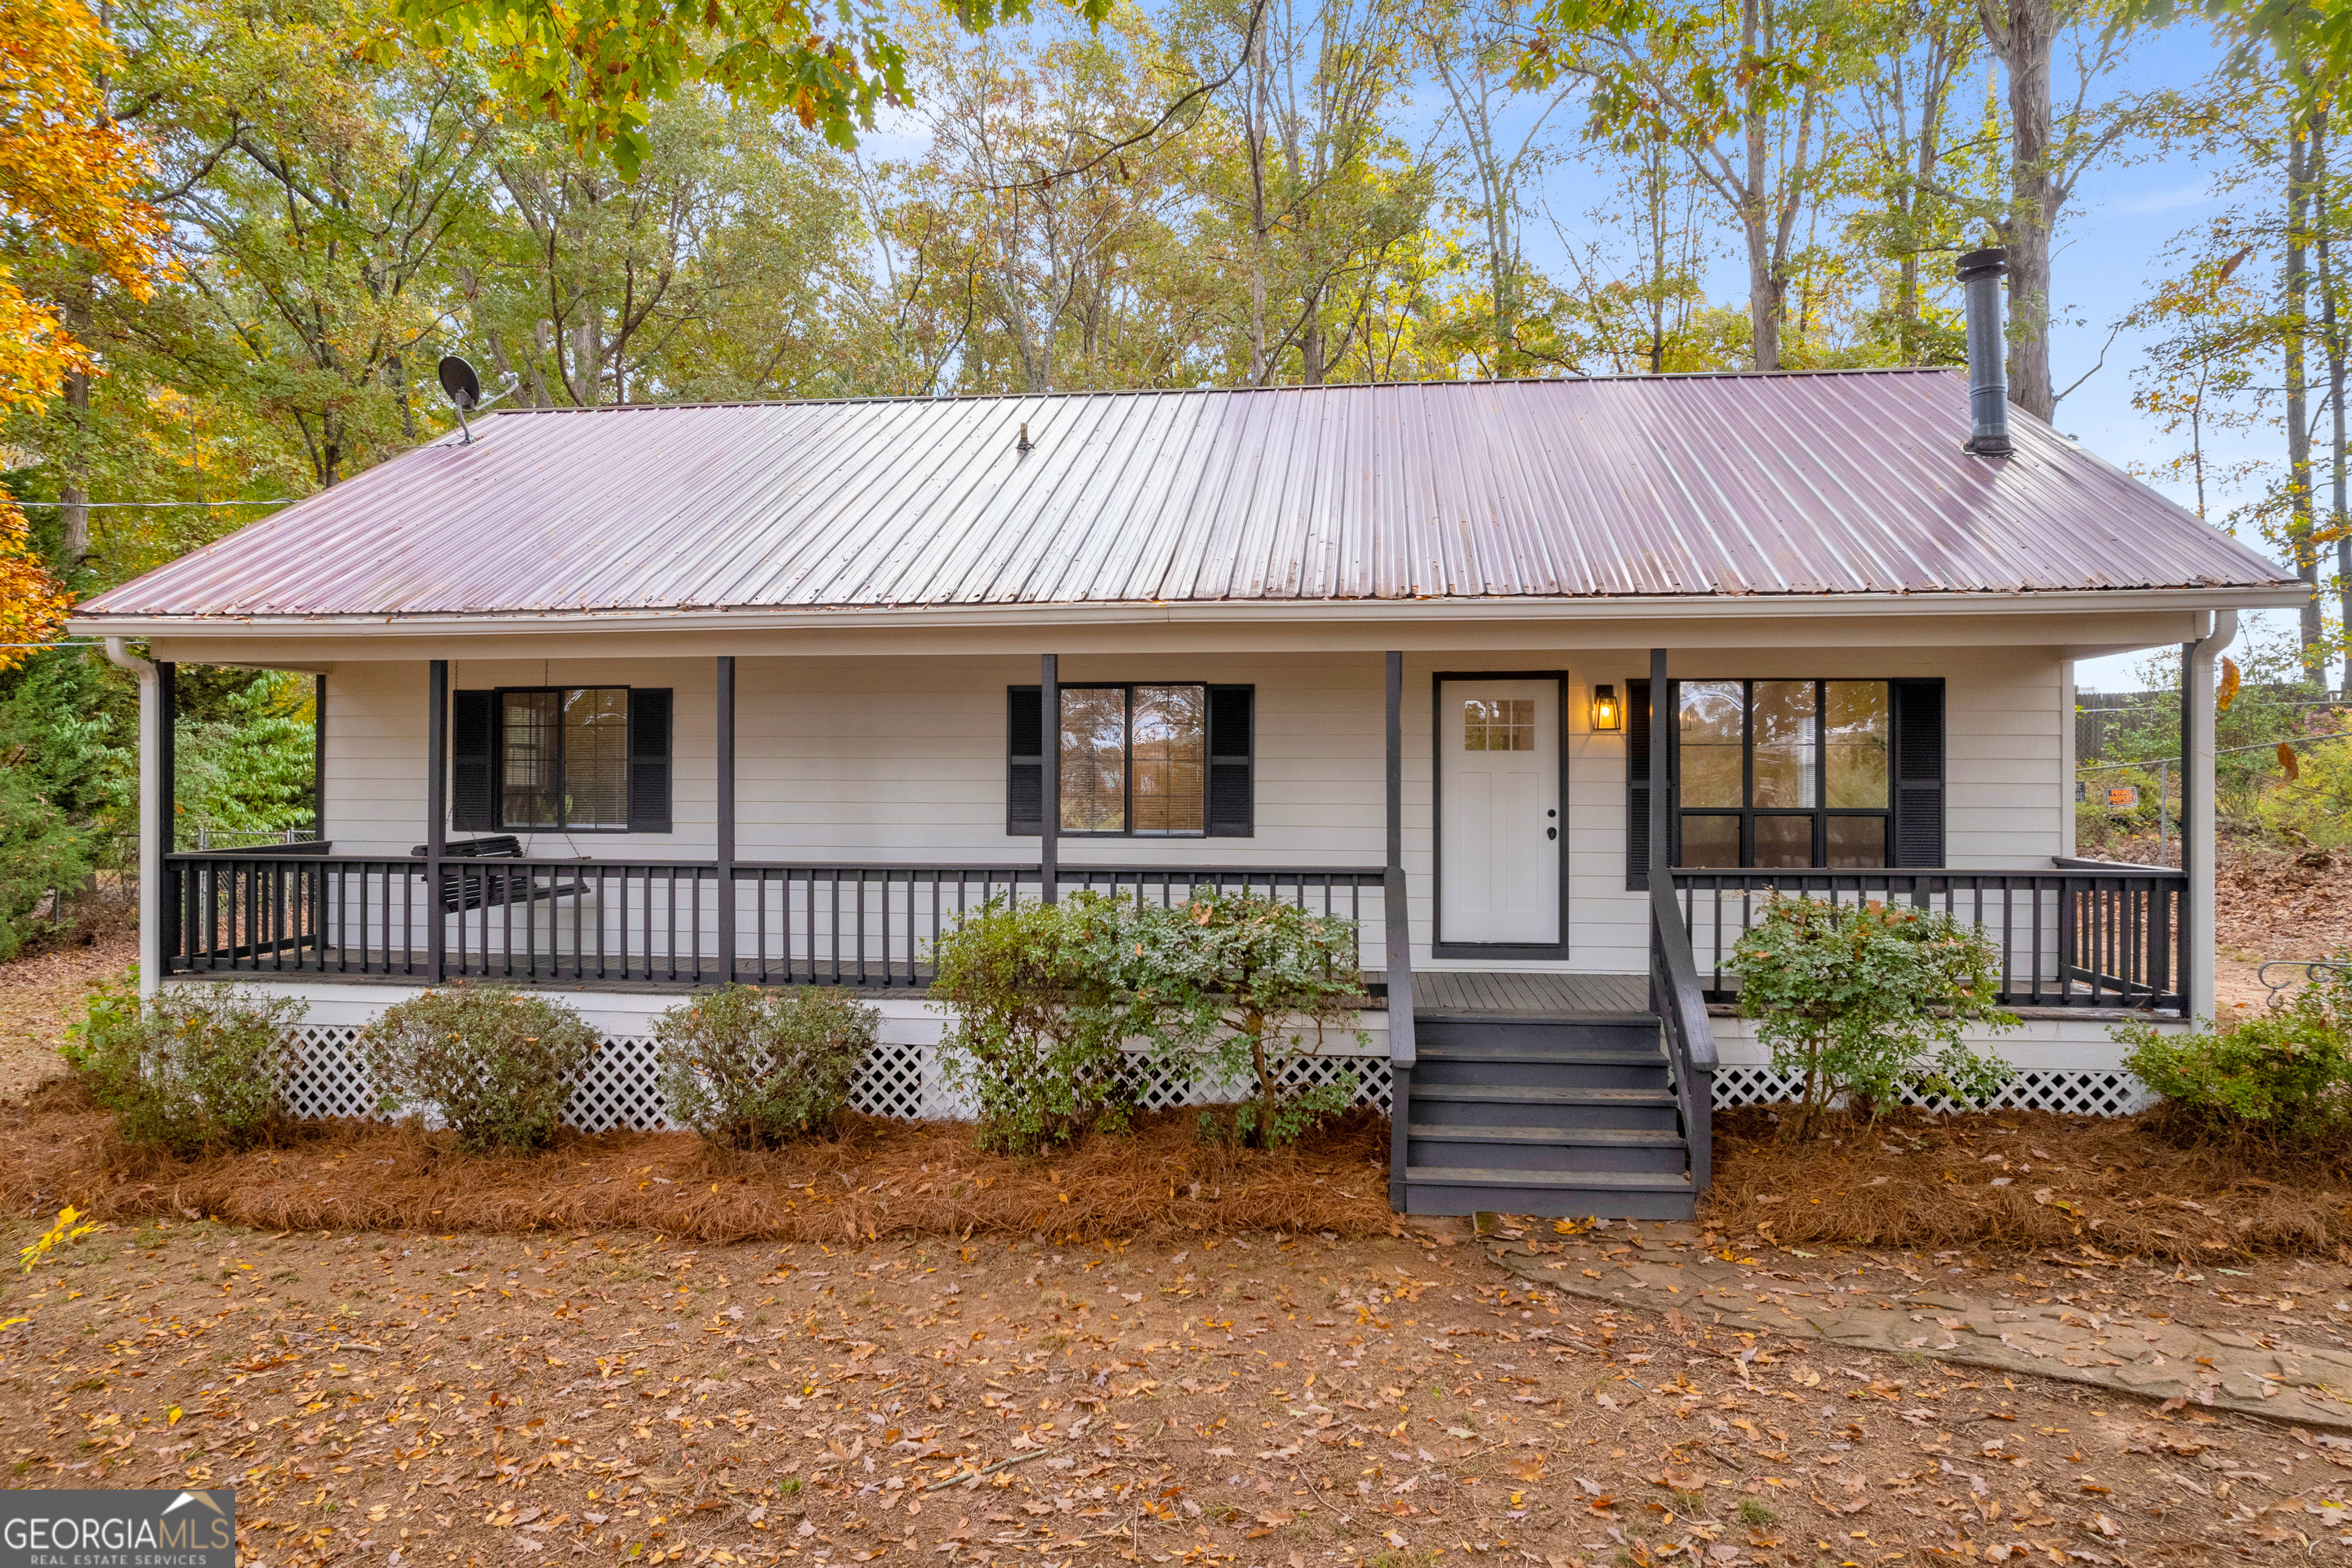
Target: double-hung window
564	758
1790	773
1785	773
1136	759
577	759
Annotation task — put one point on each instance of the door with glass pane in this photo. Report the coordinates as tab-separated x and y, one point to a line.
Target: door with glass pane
1499	842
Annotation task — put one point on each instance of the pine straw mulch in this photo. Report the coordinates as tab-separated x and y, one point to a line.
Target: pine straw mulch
867	1178
2018	1181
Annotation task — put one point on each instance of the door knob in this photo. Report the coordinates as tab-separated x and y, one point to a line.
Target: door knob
1552	833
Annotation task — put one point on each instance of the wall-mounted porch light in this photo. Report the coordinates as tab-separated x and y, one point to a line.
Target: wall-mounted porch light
1606	712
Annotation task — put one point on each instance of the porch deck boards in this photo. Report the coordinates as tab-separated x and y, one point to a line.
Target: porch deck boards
1516	993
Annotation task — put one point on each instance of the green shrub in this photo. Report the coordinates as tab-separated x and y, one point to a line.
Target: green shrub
1232	985
1034	996
2282	1079
197	1069
748	1069
40	851
1253	988
1865	1000
499	1064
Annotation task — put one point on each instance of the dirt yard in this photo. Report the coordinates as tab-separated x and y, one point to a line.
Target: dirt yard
427	1398
1267	1399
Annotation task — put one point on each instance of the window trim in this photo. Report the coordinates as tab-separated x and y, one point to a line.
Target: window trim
1438	946
1670	710
498	757
1051	734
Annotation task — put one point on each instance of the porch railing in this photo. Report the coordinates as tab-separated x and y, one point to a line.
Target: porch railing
866	926
1676	999
2082	933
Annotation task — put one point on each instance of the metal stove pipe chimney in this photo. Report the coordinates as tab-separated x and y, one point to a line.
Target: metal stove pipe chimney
1981	273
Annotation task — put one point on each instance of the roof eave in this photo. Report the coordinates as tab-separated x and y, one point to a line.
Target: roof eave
1693	606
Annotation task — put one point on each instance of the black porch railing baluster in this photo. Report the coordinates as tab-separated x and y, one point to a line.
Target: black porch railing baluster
2089	935
247	913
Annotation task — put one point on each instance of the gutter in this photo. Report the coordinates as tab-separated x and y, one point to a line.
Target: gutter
1685	607
151	826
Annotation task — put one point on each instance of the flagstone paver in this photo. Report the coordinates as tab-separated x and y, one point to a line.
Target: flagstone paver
2257	1374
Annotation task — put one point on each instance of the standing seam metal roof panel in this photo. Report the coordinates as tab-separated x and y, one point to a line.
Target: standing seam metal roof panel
1823	483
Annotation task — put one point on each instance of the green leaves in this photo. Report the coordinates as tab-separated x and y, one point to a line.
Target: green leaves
1049	999
750	1068
597	66
498	1063
2283	1078
1865	1000
195	1069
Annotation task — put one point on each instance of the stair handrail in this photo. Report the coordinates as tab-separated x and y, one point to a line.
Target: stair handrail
1396	917
1399	954
1681	1007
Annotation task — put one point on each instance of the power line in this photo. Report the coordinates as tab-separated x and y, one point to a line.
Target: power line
2224	752
109	505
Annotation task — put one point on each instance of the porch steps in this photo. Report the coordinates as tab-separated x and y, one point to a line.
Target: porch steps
1565	1116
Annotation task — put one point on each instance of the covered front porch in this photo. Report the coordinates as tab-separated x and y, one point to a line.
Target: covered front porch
1567	1063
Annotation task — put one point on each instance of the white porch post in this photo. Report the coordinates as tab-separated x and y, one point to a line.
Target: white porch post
151	845
2197	837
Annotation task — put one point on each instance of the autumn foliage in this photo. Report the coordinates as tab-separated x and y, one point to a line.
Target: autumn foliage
68	179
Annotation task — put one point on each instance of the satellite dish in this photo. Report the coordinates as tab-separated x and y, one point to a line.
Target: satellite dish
458	380
465	391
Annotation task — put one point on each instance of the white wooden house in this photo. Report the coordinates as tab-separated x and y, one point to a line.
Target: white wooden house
762	691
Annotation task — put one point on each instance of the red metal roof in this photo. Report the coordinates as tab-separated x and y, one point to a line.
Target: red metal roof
1797	484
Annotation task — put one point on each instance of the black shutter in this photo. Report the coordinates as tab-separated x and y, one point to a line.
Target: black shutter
1233	729
1025	759
1637	785
1918	772
649	791
473	760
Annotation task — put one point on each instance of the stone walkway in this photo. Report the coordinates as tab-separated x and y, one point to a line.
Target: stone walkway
1662	1269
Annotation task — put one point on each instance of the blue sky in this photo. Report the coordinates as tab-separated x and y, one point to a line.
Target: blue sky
2126	211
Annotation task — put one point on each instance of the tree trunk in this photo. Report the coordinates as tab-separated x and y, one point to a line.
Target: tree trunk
2297	315
2022	32
73	496
1763	287
2332	336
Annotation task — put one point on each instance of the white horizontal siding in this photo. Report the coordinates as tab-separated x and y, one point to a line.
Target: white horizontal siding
902	760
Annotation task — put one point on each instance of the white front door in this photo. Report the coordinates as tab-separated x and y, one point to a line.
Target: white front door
1500	822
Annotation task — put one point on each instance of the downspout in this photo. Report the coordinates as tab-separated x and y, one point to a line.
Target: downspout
150	814
2196	820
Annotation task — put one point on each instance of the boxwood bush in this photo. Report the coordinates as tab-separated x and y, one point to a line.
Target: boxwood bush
1048	1000
1861	1001
750	1068
2280	1079
197	1070
499	1063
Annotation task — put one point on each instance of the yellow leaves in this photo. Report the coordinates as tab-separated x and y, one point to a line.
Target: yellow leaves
63	1233
33	603
171	1417
2288	764
2226	692
70	174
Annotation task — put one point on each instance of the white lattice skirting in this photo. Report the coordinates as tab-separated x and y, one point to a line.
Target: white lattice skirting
2073	1091
622	1087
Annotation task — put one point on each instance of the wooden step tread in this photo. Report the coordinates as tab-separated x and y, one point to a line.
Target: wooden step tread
1540	1020
1618	1137
1613	1181
1521	1094
1564	1056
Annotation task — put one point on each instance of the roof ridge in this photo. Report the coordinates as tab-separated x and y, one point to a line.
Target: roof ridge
1613	377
